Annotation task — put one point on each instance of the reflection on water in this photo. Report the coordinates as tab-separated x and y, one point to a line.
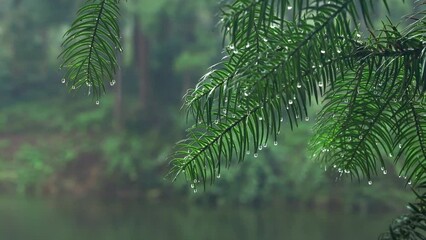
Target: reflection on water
55	220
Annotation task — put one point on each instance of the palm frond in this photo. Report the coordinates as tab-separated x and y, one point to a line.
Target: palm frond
376	112
286	55
90	47
271	74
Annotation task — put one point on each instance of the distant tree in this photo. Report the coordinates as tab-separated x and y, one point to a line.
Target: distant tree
282	57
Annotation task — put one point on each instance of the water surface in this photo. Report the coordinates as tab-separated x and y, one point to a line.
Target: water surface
29	219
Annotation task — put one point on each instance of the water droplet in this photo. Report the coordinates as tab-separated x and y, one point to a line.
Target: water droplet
334	166
290	102
320	84
275	143
195	190
231	47
307	119
97	102
255	155
195	181
347	171
299	85
63	80
400	145
385	171
112	83
216	121
409	182
390	155
358	35
73	87
260	148
289	7
260	118
282	120
218	176
339	51
370	182
248	152
248	45
323	51
192	185
265	145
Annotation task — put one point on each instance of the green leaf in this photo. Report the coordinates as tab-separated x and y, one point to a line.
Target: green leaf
90	47
275	68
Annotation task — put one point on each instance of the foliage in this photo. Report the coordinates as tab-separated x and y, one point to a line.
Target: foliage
282	172
270	47
29	166
133	156
91	45
25	30
412	225
276	68
284	56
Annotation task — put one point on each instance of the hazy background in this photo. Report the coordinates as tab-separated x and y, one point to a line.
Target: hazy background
70	169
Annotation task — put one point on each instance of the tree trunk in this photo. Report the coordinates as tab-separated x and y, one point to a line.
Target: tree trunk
141	63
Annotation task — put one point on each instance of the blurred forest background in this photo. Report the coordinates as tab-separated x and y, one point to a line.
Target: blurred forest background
60	145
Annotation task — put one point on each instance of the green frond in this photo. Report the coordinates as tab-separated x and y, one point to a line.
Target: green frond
412	225
375	114
90	47
284	56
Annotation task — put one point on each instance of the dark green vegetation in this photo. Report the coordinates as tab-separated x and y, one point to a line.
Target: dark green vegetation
64	145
